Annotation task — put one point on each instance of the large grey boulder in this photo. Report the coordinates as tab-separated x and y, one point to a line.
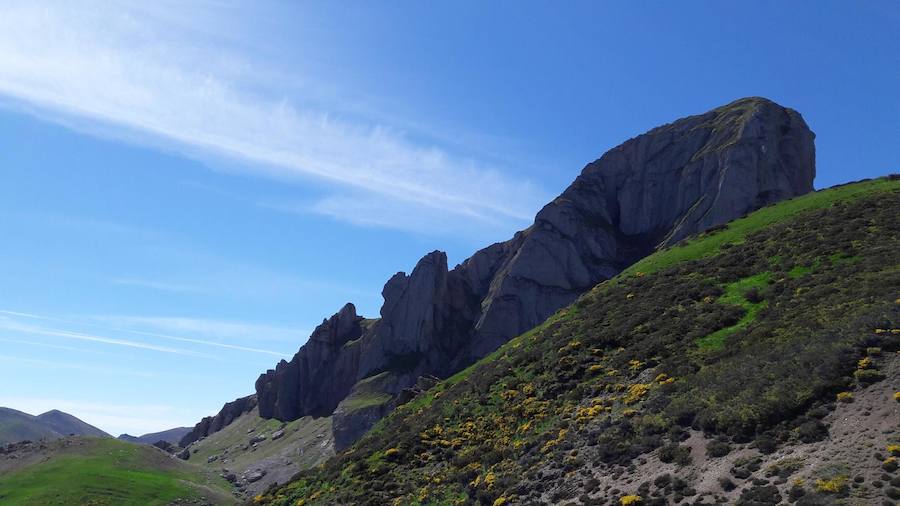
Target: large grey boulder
650	192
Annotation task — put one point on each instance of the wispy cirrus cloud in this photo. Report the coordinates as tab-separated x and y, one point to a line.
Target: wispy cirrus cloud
158	285
232	331
89	369
41	344
122	69
207	332
10	325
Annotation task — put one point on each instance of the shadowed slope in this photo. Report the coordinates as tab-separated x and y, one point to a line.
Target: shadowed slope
622	387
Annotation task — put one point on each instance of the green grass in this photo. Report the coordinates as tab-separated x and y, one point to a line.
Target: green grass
736	231
802	270
94	471
365	400
369	392
735	295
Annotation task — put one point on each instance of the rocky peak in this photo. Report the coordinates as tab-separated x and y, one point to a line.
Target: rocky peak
343	326
651	191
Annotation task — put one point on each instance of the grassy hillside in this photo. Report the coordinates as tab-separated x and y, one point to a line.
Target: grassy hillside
102	471
19	426
170	436
303	443
678	379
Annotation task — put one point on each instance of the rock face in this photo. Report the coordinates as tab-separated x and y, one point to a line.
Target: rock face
652	191
285	394
369	401
212	424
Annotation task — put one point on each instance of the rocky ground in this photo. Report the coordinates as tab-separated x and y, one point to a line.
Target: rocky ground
18	455
851	466
252	453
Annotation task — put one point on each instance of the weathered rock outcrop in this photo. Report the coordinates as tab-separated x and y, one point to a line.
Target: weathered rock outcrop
370	400
285	393
649	192
212	424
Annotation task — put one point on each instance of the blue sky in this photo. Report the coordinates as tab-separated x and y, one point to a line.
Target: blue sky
187	190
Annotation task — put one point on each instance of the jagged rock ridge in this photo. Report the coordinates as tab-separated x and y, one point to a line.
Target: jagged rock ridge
212	424
649	192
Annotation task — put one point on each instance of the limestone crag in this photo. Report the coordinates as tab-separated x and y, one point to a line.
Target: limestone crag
212	424
652	191
285	392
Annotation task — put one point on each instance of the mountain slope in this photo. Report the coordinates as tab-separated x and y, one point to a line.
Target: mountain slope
102	471
67	425
256	452
170	436
708	370
19	426
673	181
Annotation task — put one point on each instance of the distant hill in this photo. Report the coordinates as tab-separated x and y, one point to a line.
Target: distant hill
66	424
103	471
18	426
169	436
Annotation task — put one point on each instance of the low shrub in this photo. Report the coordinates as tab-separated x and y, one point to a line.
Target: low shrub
766	445
718	449
678	454
868	376
835	485
631	500
845	397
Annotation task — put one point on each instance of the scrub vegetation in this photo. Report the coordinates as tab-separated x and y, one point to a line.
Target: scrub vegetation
746	334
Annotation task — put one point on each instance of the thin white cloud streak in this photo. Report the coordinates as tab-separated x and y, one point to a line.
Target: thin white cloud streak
199	341
92	369
158	285
234	330
46	345
225	329
117	67
13	326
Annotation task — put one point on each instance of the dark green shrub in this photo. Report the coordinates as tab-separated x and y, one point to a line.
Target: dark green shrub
812	431
795	493
753	296
767	495
662	480
868	376
766	445
681	455
718	449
